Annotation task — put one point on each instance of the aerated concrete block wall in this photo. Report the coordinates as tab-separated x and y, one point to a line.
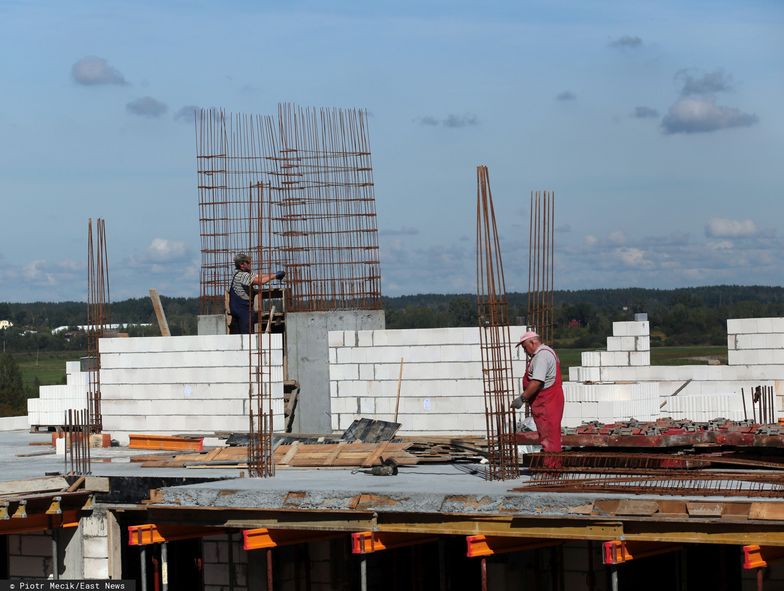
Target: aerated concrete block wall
698	392
30	555
441	390
180	385
225	563
52	402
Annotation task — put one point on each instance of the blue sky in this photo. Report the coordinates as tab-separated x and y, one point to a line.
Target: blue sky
658	124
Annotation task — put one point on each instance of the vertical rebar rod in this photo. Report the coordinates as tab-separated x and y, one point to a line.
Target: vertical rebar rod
541	264
98	299
494	337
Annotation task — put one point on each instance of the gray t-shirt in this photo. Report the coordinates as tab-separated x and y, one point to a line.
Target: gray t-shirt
241	284
543	366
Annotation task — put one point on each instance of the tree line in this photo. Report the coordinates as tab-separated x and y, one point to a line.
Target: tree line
582	318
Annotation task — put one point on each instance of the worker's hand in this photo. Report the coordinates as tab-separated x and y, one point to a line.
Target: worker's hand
280	275
518	402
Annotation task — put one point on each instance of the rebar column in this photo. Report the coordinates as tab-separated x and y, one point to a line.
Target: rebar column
97	316
541	267
260	425
494	337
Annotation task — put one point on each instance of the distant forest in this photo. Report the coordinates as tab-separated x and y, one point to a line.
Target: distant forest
688	316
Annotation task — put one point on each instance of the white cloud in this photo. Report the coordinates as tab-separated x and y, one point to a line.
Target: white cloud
726	228
702	114
163	250
94	71
147	106
617	237
590	240
633	257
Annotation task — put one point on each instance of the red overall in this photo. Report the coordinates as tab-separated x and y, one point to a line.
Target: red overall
547	409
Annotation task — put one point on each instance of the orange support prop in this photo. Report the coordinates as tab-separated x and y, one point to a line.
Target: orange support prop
365	542
263	538
152	533
755	556
620	551
481	545
165	442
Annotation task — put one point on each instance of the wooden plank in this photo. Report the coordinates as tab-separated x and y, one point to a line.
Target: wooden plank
33	485
290	454
767	511
160	315
330	459
375	455
699	509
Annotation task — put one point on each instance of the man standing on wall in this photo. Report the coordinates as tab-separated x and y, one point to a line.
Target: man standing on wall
543	390
242	289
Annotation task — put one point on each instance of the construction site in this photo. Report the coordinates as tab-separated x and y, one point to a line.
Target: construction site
325	451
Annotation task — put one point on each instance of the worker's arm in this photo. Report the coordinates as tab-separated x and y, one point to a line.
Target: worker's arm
262	279
533	388
528	394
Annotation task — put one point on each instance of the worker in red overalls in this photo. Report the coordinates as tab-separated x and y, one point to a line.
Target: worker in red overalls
543	390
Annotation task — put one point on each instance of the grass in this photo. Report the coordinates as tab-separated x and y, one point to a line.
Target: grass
48	367
693	355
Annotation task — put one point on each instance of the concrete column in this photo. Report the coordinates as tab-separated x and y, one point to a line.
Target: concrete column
100	537
308	360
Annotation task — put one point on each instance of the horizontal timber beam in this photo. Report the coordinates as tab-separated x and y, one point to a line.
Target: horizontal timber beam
702	531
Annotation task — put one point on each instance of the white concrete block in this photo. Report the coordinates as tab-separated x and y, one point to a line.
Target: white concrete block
631	329
640	358
613	358
365	338
741	325
344	372
574	374
621	343
335	338
367	406
366	372
345	405
643	343
591	374
590	359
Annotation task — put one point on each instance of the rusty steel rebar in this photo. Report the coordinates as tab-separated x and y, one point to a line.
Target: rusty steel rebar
231	157
328	208
541	264
671	483
260	426
97	316
76	430
494	337
317	167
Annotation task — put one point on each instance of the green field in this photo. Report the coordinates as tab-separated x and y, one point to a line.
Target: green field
697	355
48	367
